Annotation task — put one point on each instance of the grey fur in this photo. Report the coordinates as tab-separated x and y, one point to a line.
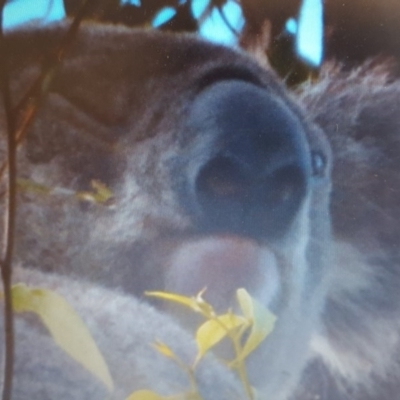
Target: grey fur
359	113
126	108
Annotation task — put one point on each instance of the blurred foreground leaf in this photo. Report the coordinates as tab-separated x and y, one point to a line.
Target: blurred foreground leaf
164	349
65	326
197	304
261	319
213	331
145	395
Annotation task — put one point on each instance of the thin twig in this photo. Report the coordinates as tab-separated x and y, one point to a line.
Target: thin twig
9	218
15	136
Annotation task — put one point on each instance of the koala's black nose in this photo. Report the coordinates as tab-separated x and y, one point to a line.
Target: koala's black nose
254	174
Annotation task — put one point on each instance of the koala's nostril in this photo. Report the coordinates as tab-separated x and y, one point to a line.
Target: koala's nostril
222	179
284	192
286	187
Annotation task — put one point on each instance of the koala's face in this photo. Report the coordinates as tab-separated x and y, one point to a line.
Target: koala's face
218	179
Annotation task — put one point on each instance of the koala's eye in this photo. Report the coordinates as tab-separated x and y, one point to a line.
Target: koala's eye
318	163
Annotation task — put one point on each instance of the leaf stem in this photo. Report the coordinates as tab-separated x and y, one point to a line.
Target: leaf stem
241	367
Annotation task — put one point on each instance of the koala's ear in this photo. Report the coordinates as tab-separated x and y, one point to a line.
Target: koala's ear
124	330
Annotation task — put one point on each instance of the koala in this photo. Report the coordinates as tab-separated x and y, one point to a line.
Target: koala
220	179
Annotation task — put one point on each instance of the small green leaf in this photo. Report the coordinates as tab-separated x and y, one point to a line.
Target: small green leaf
176	298
197	303
65	326
205	308
261	318
101	193
213	331
164	349
28	185
145	395
246	303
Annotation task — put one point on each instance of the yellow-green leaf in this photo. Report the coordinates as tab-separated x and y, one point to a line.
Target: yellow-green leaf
213	331
205	308
164	349
246	303
100	194
197	303
145	395
30	186
65	326
261	318
176	298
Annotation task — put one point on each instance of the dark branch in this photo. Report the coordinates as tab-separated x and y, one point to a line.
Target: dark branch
9	217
